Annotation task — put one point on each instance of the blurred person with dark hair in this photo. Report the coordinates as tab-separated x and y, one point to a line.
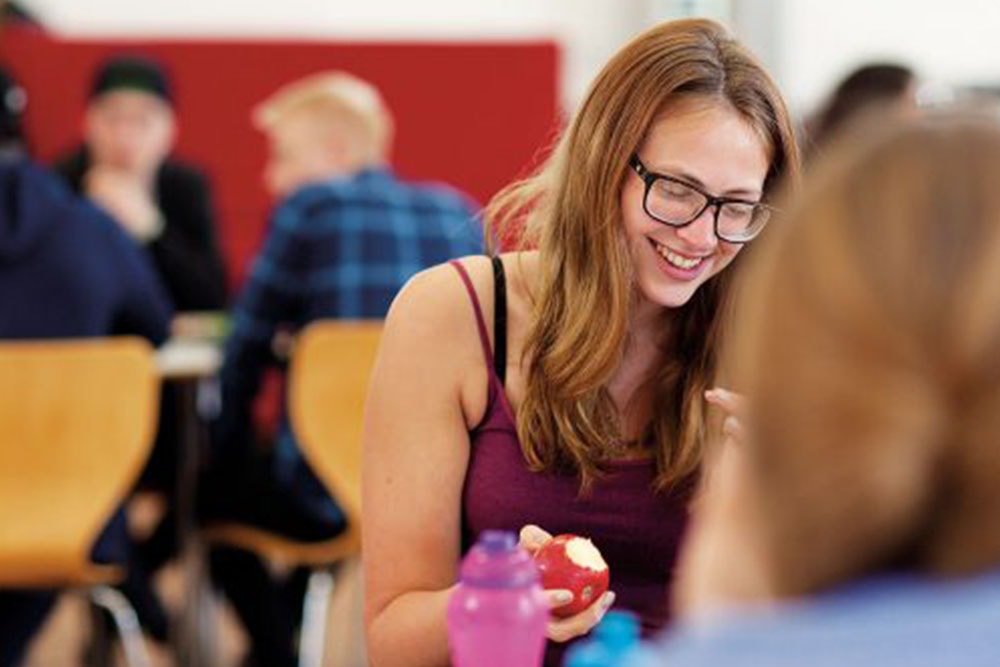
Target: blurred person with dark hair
13	103
854	520
346	235
14	13
125	167
66	270
871	88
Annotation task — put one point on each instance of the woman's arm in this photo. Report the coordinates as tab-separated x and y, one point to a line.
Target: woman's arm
416	449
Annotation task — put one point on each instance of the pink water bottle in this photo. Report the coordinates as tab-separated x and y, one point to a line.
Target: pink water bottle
498	613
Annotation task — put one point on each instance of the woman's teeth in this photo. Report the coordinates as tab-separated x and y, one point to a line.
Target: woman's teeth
675	259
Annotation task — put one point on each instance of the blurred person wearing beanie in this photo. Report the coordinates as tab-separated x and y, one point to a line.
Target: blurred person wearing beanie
124	167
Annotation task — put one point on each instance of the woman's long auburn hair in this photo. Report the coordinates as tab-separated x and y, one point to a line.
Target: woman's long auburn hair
870	351
586	289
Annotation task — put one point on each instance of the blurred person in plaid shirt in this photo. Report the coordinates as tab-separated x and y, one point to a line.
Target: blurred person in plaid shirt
345	237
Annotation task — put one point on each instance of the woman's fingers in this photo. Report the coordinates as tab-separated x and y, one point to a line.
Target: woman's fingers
733	403
532	538
558	597
564	629
733	428
735	407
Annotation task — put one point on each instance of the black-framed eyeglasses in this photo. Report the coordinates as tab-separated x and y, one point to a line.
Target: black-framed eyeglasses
677	203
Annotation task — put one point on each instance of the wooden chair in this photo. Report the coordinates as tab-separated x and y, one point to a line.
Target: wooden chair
328	382
77	421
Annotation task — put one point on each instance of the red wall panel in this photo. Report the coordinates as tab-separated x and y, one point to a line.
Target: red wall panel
472	114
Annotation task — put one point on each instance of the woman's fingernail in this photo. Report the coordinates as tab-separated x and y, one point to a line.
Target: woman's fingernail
609	599
562	597
531	535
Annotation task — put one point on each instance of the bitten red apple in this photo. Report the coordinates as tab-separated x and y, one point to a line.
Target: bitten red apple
573	563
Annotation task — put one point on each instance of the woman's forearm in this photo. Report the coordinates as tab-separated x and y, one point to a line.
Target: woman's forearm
411	631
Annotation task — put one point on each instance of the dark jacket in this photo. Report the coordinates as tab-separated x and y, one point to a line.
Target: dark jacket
66	269
186	254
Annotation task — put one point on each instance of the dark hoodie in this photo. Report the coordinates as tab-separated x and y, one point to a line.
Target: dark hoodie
66	269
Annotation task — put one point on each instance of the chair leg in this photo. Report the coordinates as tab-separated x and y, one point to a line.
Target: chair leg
97	652
315	609
126	622
194	637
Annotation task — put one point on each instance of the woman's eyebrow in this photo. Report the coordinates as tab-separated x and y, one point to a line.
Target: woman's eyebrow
687	177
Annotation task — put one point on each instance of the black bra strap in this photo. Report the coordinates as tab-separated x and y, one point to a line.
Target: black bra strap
499	320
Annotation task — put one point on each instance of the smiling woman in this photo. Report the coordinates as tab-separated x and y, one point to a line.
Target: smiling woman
694	140
559	389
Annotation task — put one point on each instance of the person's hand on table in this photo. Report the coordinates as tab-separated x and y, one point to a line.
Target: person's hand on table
533	538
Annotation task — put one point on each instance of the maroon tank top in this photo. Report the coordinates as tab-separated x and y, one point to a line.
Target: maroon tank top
637	530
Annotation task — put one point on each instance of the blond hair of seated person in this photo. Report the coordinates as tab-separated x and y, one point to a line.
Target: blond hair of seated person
323	126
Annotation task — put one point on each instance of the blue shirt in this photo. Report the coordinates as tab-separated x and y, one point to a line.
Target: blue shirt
891	621
338	249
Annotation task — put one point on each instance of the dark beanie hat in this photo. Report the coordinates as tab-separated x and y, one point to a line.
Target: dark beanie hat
133	73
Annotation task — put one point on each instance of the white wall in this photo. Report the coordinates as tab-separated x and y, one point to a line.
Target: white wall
588	30
361	19
808	44
953	42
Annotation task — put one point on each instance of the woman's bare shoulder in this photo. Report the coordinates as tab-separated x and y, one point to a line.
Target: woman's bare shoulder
432	321
437	296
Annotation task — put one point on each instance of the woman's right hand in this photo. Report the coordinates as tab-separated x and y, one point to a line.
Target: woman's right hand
533	538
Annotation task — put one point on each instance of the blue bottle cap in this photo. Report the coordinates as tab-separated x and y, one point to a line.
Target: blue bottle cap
615	636
619	630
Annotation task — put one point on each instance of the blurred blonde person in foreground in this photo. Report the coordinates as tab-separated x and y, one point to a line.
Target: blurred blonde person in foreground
857	522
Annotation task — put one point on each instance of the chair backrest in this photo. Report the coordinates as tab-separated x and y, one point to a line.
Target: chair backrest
328	383
77	421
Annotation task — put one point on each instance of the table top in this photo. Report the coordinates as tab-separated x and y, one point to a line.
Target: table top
182	358
194	350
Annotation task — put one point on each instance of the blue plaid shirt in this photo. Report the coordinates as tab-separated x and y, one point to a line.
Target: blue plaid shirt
339	249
